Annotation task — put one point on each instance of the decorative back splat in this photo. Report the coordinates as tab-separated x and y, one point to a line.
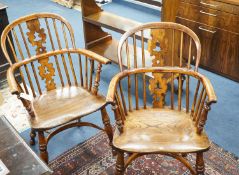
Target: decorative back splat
158	48
37	37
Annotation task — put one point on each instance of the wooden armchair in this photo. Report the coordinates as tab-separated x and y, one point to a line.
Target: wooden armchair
173	129
33	35
38	34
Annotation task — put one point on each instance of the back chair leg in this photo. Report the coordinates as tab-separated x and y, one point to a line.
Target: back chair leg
200	164
119	170
43	146
32	137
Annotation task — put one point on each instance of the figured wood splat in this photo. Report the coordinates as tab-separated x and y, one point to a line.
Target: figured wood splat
158	47
37	37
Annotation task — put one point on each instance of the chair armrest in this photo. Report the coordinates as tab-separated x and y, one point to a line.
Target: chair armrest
12	82
205	81
212	98
94	56
14	88
113	86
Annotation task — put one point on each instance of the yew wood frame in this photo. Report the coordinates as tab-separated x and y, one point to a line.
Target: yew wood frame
56	48
115	98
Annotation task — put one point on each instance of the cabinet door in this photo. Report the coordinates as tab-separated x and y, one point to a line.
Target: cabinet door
206	39
228	51
220	48
3	61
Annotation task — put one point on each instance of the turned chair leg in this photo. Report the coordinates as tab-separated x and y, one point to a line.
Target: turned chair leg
119	169
32	137
108	128
43	146
200	164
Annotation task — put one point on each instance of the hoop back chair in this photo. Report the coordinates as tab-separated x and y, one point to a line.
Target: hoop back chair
155	54
57	86
173	129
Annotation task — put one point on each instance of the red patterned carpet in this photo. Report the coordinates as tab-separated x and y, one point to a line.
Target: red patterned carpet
94	157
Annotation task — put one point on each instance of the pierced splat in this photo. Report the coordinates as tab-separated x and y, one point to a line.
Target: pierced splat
37	37
158	88
158	48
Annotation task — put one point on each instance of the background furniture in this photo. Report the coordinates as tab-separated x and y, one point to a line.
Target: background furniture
95	19
159	128
16	154
216	22
54	86
3	23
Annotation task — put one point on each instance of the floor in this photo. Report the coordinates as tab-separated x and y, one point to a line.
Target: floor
222	126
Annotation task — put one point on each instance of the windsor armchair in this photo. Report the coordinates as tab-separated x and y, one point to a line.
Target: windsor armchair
33	35
54	87
173	129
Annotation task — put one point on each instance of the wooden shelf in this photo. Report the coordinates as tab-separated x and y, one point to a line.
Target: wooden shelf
111	21
100	41
108	49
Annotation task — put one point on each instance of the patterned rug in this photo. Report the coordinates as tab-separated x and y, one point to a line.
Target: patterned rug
12	109
94	157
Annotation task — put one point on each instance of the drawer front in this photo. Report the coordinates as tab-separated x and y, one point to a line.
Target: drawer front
220	49
214	18
212	4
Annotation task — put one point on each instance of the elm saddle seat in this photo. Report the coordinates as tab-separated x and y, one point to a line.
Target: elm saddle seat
161	127
62	105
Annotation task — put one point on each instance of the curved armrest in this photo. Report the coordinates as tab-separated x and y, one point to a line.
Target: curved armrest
94	56
113	86
212	98
205	81
14	89
12	82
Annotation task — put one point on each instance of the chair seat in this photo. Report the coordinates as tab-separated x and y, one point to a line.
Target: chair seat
159	130
62	105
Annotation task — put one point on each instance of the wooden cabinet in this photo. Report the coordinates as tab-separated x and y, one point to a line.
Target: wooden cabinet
217	25
3	23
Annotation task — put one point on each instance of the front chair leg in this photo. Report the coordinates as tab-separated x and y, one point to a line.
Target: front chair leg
200	164
119	169
108	128
43	146
32	137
